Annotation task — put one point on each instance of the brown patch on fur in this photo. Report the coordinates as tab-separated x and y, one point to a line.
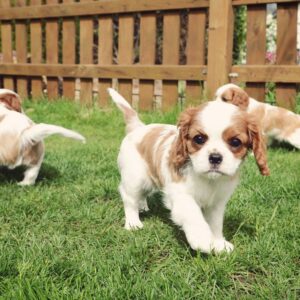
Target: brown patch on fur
32	154
258	146
184	145
239	130
236	96
11	101
246	128
154	158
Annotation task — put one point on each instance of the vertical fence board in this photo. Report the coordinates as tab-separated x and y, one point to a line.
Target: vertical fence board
21	51
6	32
125	55
195	51
52	52
256	46
86	56
171	39
105	55
147	56
220	41
68	55
36	51
286	50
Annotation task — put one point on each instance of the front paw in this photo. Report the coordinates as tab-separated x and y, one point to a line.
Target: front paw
221	245
200	240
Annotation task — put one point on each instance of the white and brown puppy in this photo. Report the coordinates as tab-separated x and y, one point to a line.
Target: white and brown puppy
276	122
195	165
21	141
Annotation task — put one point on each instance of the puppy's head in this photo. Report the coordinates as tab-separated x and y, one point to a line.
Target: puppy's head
10	100
233	94
215	138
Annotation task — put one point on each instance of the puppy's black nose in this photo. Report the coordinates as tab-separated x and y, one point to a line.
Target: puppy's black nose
215	158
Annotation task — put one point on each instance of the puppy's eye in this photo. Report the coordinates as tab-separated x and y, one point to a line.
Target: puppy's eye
200	139
235	142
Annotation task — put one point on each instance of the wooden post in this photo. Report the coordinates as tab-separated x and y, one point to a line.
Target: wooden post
220	41
286	51
256	46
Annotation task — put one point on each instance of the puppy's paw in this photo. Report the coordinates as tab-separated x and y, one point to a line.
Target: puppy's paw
25	183
133	224
200	240
221	245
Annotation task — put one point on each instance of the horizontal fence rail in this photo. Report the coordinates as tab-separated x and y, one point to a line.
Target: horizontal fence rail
157	53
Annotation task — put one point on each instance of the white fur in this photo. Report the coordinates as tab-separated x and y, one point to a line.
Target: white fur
197	203
26	134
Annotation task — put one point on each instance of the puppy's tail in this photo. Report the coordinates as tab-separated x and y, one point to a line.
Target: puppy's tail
131	118
36	133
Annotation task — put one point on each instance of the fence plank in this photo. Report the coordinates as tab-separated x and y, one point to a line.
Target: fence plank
286	50
110	71
125	55
256	46
68	55
267	73
100	7
147	56
105	55
86	57
220	33
21	51
36	51
171	39
52	52
195	51
6	36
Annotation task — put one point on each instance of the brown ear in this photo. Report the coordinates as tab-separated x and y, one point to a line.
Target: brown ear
236	96
258	145
11	100
180	151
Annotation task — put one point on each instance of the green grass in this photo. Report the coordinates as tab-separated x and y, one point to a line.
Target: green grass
64	239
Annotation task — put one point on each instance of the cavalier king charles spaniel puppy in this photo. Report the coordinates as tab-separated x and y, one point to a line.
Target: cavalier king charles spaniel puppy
276	122
21	139
194	164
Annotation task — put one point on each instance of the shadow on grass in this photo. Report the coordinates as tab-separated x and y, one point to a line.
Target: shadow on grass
47	173
282	145
232	224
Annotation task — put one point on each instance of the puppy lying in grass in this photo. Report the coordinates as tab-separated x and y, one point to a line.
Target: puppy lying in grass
195	165
276	122
21	141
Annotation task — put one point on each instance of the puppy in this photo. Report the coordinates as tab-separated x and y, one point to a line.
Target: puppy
21	139
195	165
276	122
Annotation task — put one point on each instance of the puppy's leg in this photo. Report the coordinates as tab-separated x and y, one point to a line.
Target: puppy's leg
214	216
131	206
32	158
30	175
186	213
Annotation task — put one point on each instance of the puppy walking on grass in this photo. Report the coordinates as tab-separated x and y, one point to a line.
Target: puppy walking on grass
22	140
195	165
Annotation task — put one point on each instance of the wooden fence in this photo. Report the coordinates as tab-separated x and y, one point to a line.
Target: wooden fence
154	51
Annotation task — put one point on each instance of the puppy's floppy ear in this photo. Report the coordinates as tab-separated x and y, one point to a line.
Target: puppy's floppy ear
236	96
11	100
180	152
258	145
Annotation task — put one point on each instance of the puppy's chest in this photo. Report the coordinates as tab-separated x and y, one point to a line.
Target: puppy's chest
207	193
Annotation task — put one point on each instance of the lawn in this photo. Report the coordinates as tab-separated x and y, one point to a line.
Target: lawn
64	239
